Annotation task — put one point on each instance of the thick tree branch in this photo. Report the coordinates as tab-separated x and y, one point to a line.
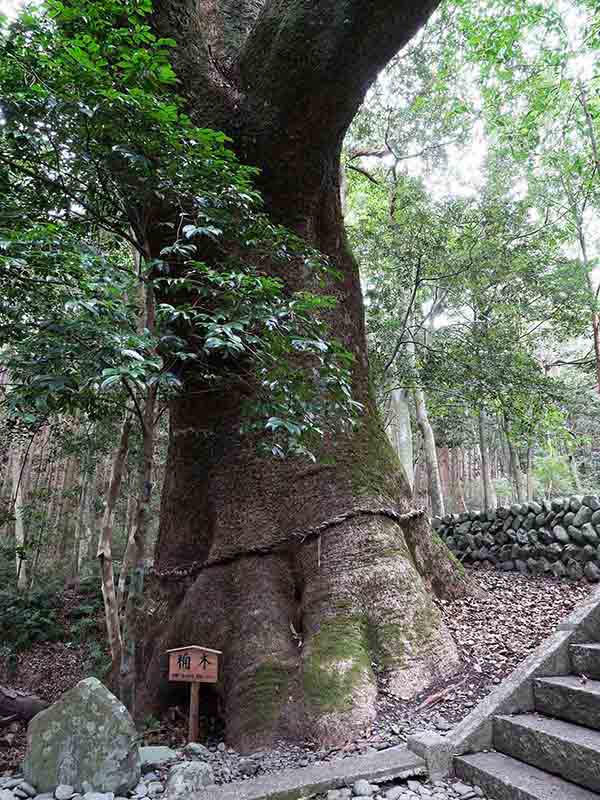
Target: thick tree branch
307	64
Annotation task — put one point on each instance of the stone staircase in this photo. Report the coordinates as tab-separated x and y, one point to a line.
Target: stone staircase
552	753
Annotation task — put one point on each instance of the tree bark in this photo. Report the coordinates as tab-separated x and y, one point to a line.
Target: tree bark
249	549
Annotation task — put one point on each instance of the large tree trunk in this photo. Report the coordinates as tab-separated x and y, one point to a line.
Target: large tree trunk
304	575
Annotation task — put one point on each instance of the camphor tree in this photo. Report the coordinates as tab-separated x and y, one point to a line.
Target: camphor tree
257	556
250	550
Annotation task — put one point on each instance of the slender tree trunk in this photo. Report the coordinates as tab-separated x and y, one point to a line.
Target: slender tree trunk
104	553
400	432
62	511
436	495
80	526
574	470
128	671
530	482
89	517
516	472
19	477
248	545
489	493
443	458
457	483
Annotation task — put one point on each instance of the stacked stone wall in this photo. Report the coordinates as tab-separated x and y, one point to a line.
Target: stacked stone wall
560	536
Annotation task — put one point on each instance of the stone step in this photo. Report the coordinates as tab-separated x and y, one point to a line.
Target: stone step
569	697
505	778
568	750
585	659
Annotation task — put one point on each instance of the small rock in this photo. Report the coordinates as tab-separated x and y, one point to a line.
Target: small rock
362	788
141	790
155	788
462	790
394	793
28	789
248	766
592	573
155	756
64	792
339	794
197	750
188	777
99	796
221	747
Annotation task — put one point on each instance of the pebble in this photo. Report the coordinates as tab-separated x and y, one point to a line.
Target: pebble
339	794
362	788
64	792
197	750
394	793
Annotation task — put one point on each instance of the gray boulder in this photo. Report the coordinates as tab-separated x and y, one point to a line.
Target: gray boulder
87	736
589	533
187	778
576	534
575	503
591	571
582	516
591	501
560	534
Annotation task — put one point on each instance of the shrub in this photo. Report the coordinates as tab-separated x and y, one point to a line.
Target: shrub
25	619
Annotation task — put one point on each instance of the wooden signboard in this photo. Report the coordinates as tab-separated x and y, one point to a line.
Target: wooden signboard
195	665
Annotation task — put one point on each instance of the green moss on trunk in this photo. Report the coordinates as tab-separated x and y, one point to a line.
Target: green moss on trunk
394	643
338	662
376	470
265	694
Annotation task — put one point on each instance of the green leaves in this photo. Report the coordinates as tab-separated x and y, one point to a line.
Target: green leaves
109	192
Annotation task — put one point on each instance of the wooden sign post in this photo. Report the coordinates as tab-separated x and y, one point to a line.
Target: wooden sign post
194	664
